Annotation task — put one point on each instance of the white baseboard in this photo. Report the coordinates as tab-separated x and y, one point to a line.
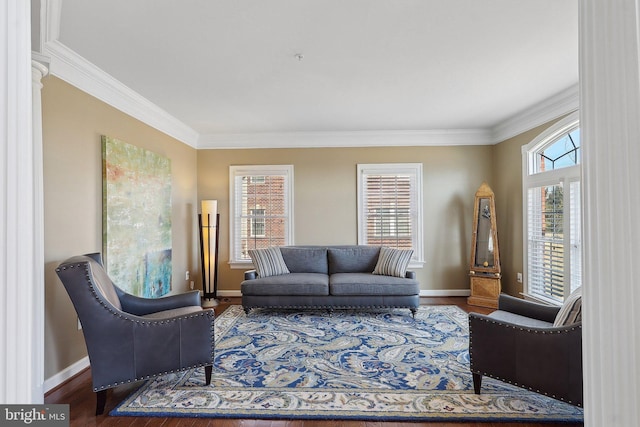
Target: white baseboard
66	374
229	294
445	293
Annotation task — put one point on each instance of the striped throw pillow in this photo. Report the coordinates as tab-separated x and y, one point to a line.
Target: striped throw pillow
393	262
268	262
571	310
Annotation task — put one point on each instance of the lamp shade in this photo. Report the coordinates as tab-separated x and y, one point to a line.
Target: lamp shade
209	212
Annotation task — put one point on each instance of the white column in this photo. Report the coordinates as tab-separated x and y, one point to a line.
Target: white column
21	261
38	71
610	125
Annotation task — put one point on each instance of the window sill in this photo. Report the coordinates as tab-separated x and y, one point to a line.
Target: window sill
416	265
539	300
241	265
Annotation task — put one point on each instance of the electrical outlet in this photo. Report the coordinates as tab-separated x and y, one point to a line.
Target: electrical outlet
186	275
519	277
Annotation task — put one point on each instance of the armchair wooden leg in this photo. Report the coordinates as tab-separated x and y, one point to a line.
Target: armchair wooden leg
477	383
207	374
101	400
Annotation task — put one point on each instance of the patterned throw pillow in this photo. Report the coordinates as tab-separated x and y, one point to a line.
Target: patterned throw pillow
268	262
393	262
571	310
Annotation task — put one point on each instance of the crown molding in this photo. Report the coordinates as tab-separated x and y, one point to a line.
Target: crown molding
74	69
551	108
346	139
77	71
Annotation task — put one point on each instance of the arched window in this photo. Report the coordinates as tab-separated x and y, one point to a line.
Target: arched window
552	214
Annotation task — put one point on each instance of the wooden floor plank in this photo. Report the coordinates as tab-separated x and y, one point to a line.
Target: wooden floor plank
77	392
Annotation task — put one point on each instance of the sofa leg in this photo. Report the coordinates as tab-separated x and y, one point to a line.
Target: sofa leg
477	382
413	312
101	400
207	374
246	310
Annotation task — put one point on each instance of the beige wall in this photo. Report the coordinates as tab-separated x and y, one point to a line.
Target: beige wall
325	200
73	123
507	176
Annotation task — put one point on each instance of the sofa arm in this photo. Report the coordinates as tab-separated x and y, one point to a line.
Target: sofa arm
250	275
143	306
526	308
410	274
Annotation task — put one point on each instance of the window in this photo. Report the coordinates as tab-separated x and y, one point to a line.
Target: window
390	207
261	209
552	212
257	223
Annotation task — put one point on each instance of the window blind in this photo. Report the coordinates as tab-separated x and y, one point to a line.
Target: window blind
546	242
390	207
388	210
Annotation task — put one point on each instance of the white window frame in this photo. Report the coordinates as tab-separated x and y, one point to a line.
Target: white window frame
532	179
415	171
235	209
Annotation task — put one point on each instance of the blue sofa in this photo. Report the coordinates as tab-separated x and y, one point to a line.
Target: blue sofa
330	277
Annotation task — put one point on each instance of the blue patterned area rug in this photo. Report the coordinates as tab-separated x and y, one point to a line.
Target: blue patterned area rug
380	365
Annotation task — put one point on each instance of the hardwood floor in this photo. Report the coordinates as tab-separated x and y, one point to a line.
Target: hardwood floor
78	394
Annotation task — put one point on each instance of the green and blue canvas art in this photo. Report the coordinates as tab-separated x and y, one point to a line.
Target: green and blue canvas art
136	218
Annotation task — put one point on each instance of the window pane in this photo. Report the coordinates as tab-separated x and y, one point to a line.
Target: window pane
261	217
561	153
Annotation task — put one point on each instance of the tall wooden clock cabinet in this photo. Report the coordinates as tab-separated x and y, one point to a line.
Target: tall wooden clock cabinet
484	271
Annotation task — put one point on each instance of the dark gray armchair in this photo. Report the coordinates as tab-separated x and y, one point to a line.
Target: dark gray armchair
129	338
518	344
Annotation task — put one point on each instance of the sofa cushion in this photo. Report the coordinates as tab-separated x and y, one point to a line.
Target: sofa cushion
288	284
268	262
353	259
370	284
305	259
516	319
393	262
174	312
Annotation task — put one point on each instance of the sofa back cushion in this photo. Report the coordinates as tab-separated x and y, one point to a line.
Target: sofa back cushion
353	259
302	259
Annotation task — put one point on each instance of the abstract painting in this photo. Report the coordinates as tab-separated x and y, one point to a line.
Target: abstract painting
136	218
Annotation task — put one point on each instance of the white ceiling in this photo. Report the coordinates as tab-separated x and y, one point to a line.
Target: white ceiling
226	67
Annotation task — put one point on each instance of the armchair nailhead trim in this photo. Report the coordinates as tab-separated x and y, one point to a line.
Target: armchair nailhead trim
560	330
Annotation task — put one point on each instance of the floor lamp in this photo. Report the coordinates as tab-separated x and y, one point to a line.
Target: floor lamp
209	222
